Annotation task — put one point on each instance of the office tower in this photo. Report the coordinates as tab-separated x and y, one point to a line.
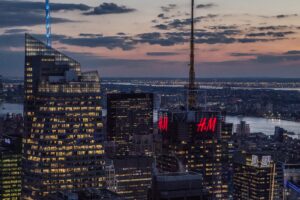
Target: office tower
133	176
227	154
243	129
130	123
256	176
10	167
194	138
177	186
62	144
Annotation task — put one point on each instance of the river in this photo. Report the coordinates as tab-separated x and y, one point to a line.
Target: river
257	124
11	108
263	125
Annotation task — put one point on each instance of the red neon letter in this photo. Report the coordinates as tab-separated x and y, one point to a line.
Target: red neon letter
163	123
202	125
212	123
207	124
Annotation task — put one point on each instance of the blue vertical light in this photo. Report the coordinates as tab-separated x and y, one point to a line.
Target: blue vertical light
48	23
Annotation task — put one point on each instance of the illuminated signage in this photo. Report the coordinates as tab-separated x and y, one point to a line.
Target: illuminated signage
254	161
266	161
207	125
163	123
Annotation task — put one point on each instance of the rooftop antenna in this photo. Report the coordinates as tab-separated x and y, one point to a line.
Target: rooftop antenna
48	23
192	94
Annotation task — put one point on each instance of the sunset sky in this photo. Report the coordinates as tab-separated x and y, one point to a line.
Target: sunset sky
149	38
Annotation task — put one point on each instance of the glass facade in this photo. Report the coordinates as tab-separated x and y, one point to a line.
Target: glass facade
62	146
130	123
10	175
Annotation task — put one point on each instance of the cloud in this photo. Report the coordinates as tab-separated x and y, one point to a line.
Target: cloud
274	28
223	27
292	52
206	6
286	16
156	38
27	13
161	53
243	54
161	27
169	7
109	8
162	16
16	30
97	40
182	23
270	33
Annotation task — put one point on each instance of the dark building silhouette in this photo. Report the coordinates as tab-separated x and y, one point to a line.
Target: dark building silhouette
177	186
63	141
130	123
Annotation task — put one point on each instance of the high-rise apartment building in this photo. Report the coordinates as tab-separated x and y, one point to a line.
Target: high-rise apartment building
130	123
63	140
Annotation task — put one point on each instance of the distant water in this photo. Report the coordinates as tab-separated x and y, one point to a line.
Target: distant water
263	125
257	124
11	108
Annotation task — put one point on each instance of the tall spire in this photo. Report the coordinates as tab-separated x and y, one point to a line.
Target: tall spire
192	96
48	23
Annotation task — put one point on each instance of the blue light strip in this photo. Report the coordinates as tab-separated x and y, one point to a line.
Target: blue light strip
292	186
48	23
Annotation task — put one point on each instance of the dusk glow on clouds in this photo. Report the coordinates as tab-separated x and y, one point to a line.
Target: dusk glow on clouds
149	38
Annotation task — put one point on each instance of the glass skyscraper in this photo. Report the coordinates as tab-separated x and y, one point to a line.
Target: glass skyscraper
62	145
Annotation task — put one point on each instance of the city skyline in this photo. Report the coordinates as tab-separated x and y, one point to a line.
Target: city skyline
149	39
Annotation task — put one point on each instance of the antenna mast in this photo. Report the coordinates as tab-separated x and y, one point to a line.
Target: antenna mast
48	23
192	96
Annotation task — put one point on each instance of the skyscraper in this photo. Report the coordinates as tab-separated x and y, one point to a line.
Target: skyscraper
194	138
256	176
130	123
62	141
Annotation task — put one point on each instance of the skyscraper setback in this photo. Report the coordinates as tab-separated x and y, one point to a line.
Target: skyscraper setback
63	140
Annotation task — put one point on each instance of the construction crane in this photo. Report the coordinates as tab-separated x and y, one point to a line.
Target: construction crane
48	23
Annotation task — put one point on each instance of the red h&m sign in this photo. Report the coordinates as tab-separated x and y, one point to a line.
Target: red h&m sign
163	123
207	125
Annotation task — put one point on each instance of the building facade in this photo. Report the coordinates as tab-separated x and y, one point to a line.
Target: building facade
194	138
10	167
256	177
177	186
133	176
130	123
62	146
